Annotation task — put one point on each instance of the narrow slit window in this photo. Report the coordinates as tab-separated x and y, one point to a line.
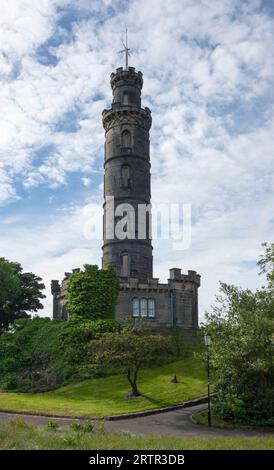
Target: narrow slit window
125	174
126	139
125	265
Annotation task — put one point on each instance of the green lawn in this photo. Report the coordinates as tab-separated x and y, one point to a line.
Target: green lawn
106	396
16	434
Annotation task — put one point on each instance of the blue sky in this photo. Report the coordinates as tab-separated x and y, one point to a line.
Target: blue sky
208	79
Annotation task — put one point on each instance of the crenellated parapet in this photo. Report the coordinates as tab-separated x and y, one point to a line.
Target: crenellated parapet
129	77
175	276
130	116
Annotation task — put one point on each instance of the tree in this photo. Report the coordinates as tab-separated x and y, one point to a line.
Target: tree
93	292
266	263
242	351
20	293
129	350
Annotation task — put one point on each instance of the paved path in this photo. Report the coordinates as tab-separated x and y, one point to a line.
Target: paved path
171	423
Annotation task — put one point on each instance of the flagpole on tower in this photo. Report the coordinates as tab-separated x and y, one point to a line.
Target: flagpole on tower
125	51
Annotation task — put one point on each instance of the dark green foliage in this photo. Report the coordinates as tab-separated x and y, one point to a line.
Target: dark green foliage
266	263
20	293
41	354
93	292
242	351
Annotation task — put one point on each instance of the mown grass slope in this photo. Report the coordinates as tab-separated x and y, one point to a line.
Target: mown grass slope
106	396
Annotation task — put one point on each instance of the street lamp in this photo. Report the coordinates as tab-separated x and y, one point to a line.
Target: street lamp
207	344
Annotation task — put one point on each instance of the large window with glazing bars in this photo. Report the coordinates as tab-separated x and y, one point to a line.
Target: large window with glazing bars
143	307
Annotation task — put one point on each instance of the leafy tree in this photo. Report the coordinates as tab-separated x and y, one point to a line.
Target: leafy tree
129	350
20	293
266	263
93	292
242	351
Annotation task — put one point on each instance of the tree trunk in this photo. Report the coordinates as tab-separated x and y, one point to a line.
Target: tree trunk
133	383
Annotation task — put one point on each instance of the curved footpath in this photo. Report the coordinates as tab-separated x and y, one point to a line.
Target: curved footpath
176	422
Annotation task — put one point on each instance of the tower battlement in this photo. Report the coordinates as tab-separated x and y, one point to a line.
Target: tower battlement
124	77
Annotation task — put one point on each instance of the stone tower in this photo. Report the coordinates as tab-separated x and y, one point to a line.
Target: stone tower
126	190
127	176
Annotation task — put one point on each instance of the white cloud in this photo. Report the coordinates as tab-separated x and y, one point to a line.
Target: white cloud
86	181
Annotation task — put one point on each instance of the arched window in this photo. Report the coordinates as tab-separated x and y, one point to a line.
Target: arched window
126	139
125	98
135	307
125	174
143	307
125	265
151	308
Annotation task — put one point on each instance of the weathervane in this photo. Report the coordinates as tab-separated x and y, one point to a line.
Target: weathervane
126	51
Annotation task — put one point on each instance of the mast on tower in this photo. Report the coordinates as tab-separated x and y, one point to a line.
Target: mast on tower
125	51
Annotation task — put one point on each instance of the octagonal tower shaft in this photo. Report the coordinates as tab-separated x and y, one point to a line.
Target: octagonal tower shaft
127	177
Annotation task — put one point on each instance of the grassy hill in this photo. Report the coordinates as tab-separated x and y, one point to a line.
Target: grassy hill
106	396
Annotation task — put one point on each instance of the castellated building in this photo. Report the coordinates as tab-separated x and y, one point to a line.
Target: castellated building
127	183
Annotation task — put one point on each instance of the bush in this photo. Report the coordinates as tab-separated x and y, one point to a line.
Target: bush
52	425
41	354
75	426
242	355
87	426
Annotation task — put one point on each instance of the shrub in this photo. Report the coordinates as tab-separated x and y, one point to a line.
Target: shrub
242	354
75	426
52	425
88	426
41	354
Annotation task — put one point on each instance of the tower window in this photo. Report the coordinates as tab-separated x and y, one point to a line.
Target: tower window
125	98
125	265
125	175
126	139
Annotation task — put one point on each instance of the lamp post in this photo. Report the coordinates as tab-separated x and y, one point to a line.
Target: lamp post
207	344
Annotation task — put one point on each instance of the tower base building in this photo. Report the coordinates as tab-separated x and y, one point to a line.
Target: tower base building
172	304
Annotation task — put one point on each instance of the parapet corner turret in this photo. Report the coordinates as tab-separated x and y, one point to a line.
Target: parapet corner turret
55	287
175	275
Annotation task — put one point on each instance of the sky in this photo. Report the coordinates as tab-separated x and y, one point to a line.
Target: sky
208	69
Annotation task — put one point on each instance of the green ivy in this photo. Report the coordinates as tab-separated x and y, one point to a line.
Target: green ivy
92	293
